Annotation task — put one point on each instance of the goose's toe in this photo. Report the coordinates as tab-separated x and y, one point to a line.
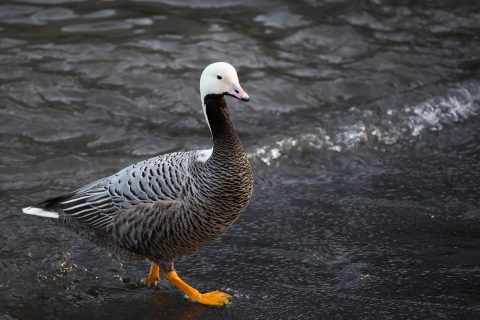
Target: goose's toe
214	298
149	280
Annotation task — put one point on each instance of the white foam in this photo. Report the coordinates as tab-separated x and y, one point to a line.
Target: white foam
40	212
204	155
376	125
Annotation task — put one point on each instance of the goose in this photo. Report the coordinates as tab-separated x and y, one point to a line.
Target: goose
170	205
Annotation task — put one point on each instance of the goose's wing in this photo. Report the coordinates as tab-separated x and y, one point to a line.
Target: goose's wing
98	203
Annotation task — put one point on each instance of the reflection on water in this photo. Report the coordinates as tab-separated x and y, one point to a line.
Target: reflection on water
362	131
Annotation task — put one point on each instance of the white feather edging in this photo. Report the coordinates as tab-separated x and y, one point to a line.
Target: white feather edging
40	212
204	155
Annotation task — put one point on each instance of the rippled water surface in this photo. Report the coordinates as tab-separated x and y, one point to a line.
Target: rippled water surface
362	131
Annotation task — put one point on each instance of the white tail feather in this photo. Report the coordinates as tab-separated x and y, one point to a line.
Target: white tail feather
40	212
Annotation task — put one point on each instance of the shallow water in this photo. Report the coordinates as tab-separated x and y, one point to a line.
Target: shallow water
362	131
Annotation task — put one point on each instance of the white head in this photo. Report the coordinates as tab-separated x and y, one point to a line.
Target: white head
221	78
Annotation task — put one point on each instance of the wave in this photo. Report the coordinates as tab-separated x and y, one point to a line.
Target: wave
384	122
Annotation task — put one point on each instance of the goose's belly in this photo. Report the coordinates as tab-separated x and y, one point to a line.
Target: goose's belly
187	233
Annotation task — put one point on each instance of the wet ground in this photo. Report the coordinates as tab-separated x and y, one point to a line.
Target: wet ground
362	131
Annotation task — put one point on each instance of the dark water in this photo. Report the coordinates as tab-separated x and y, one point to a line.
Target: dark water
362	130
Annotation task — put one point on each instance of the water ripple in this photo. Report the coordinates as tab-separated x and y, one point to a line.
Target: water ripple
54	14
103	26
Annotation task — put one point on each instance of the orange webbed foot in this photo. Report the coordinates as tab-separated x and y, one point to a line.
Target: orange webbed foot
214	298
154	274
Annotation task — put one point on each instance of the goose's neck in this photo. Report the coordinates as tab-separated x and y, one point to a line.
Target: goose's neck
225	138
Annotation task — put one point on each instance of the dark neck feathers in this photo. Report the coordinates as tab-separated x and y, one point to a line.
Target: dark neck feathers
233	187
219	118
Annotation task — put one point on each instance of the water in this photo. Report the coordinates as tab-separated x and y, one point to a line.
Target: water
362	131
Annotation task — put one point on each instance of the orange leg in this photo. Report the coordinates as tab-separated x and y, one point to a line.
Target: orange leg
214	298
154	274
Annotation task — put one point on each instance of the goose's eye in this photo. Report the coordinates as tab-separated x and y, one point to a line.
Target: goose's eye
219	77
